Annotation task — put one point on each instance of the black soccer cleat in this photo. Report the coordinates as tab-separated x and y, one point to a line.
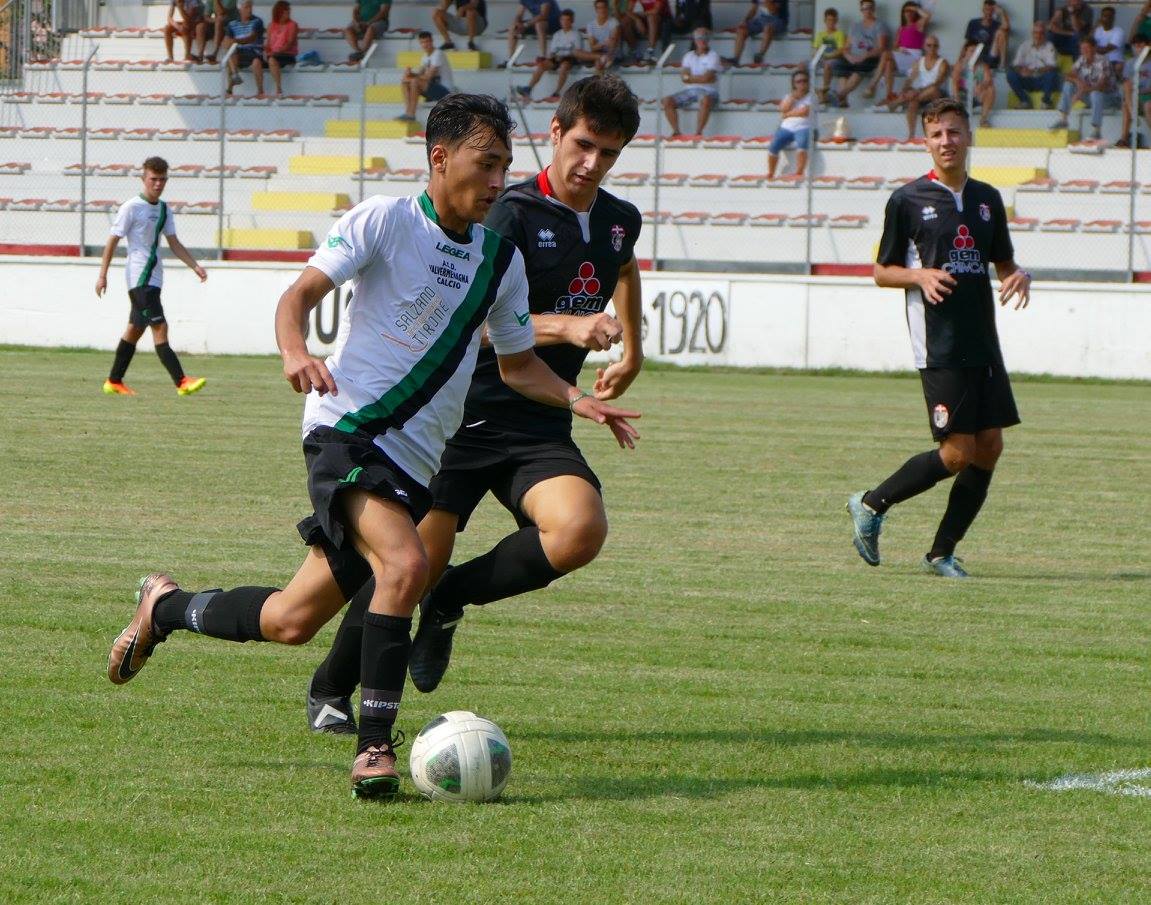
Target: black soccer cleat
331	715
432	646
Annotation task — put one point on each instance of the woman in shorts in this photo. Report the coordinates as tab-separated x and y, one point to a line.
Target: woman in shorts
795	127
282	44
909	39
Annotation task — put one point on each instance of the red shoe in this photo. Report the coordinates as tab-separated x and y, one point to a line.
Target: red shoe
112	388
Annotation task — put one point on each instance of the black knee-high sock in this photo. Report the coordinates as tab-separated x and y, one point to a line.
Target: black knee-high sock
967	496
233	615
124	352
515	565
917	474
338	675
383	669
171	362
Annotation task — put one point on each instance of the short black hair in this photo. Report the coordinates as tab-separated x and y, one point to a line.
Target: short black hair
940	107
157	165
423	34
568	12
831	11
605	102
457	117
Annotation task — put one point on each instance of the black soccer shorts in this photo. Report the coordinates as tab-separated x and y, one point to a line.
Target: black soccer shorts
146	308
968	400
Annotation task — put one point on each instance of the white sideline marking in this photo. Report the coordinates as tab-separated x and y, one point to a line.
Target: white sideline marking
1116	782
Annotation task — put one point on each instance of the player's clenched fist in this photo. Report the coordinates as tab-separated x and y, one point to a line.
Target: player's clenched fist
599	332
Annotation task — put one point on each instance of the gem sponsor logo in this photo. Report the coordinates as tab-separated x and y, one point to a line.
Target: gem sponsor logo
584	297
963	256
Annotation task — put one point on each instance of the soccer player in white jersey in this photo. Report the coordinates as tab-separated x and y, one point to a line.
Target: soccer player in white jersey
142	220
427	275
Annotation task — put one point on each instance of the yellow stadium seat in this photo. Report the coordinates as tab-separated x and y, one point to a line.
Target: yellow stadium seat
1002	177
284	239
332	164
457	59
383	94
1025	138
375	128
299	201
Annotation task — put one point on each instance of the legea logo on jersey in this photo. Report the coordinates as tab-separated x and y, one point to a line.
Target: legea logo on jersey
547	238
963	257
584	297
419	321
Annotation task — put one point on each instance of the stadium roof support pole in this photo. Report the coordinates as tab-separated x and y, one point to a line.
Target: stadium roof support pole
364	112
225	84
1134	140
813	144
971	61
84	152
520	111
667	51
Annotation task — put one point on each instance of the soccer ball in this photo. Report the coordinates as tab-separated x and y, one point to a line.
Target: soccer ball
459	756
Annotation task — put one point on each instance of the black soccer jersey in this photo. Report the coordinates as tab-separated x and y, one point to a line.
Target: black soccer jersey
927	225
567	274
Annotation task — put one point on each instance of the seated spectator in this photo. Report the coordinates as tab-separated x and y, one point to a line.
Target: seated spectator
767	18
542	16
654	14
795	125
1069	25
867	40
191	25
1142	24
369	21
908	49
432	79
990	30
1139	42
833	40
603	37
1089	79
1110	39
685	16
247	32
567	50
470	18
1035	69
631	26
699	69
282	45
925	83
224	11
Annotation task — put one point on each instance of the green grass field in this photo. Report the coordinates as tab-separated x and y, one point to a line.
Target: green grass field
728	706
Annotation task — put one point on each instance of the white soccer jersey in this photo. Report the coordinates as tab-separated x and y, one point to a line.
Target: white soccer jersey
143	224
407	344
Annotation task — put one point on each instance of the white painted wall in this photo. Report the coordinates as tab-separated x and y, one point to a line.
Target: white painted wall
1074	329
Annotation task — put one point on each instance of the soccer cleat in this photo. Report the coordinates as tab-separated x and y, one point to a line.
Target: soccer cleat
190	385
374	770
432	647
112	388
947	566
331	715
134	645
867	526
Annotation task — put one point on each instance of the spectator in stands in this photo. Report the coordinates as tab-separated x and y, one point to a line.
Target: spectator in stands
224	11
369	21
1110	39
685	16
1139	42
470	18
867	40
1069	25
1090	79
541	15
908	49
699	69
1142	24
795	125
767	18
603	37
1035	69
191	25
990	30
833	40
432	79
247	32
567	50
654	14
631	26
283	43
925	83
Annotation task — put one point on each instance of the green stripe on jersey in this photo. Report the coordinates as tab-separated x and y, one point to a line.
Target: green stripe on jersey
146	273
426	367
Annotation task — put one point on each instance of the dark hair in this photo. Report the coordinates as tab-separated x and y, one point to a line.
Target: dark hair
938	108
280	8
568	12
605	102
1088	39
799	72
157	165
423	34
831	11
457	117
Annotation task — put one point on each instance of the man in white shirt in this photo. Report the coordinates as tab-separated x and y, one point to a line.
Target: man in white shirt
1110	40
567	49
432	80
1035	68
603	36
699	70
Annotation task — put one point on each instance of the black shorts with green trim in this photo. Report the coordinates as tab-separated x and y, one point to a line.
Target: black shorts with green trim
146	308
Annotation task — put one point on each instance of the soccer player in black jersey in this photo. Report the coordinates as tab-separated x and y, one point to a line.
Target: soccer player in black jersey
577	241
940	234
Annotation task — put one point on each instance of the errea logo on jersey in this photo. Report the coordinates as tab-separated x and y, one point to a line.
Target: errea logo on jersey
964	258
547	239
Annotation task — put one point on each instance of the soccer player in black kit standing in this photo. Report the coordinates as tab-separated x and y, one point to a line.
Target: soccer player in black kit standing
940	233
577	241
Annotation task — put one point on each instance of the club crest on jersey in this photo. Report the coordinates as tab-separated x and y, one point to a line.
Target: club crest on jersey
547	239
964	258
940	416
929	213
617	235
583	297
985	213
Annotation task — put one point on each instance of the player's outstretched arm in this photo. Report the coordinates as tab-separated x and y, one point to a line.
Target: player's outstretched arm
612	382
184	255
935	284
1014	283
527	374
303	371
105	263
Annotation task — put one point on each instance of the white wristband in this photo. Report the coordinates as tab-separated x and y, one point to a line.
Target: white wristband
575	399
